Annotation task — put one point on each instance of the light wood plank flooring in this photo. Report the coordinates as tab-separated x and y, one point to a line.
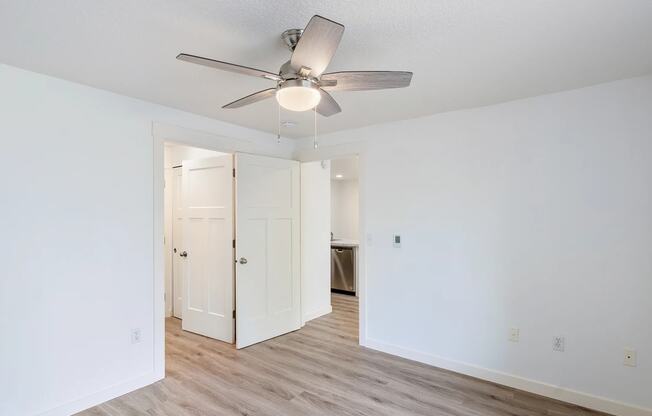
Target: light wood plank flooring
318	370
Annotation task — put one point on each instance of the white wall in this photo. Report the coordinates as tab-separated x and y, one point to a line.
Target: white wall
534	214
76	215
315	240
344	209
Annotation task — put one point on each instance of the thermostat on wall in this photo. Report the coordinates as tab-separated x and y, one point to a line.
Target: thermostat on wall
397	241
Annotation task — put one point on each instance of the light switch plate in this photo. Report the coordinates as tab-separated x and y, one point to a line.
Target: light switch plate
514	334
397	241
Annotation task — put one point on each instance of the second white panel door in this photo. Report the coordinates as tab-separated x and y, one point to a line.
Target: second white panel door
177	233
268	298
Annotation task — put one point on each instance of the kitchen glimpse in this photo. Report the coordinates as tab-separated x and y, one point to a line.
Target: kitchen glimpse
344	226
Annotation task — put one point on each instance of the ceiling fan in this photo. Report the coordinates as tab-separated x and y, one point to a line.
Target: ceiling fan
301	83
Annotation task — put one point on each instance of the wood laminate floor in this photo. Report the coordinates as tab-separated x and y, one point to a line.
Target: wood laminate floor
318	370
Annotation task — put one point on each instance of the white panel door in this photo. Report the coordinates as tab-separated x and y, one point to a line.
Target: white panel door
177	241
268	291
168	256
207	250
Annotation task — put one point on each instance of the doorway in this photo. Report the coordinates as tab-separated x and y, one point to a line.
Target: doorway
345	237
228	215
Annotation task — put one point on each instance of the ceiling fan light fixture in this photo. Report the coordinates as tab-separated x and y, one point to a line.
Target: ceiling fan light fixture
298	95
302	83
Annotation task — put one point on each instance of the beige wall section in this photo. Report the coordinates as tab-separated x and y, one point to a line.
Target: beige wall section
344	209
315	239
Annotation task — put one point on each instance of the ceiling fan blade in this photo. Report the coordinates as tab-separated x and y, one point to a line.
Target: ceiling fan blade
365	80
317	45
225	66
327	105
252	98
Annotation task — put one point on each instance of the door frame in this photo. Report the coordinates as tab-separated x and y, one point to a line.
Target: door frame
341	151
162	133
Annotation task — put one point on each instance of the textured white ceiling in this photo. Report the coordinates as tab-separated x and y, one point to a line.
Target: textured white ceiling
463	53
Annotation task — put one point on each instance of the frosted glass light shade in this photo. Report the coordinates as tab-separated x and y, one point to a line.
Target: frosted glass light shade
298	98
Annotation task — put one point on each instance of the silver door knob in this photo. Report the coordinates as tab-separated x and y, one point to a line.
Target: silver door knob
243	260
184	254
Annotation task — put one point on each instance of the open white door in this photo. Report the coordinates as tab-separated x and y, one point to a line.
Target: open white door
177	233
268	291
207	250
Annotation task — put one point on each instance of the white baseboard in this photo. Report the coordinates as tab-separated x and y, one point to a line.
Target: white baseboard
103	396
314	315
544	389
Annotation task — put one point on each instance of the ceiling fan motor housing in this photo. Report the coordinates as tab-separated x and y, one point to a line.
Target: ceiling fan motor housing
288	73
291	38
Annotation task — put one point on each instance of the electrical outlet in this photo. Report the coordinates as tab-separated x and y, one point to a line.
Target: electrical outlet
397	241
135	336
514	334
558	344
629	358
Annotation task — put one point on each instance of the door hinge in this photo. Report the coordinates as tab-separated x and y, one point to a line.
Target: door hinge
234	172
234	314
233	243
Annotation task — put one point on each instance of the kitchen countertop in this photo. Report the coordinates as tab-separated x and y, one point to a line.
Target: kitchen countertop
343	242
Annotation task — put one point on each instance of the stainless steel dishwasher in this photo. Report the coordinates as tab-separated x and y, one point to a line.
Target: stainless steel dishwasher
343	270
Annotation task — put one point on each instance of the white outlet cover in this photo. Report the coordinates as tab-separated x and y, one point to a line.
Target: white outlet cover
514	334
629	358
135	336
559	344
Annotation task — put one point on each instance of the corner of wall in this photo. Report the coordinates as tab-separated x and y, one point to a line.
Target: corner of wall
314	315
103	395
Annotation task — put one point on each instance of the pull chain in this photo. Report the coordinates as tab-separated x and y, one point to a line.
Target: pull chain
278	134
315	144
